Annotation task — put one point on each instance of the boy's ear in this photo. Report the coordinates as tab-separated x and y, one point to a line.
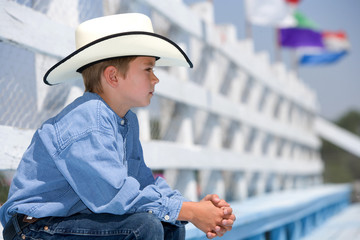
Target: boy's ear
111	75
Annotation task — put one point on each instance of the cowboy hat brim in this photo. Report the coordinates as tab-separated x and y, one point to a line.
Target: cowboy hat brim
166	51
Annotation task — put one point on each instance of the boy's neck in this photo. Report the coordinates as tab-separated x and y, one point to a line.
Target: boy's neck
119	109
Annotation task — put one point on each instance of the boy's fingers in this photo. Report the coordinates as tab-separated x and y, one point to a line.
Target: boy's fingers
210	235
220	231
229	221
214	198
227	210
228	228
222	203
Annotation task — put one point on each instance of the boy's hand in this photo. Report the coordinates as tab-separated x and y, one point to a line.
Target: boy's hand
229	217
204	215
226	224
211	215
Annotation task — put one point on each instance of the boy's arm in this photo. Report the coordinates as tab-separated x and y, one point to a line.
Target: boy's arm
113	189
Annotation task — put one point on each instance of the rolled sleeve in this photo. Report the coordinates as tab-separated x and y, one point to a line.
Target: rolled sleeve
168	191
172	204
168	211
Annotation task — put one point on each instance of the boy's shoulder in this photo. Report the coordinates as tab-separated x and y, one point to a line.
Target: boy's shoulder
82	110
86	114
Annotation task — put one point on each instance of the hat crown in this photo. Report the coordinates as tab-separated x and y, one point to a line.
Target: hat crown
97	28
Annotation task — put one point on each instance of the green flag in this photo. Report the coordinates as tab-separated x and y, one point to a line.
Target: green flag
303	22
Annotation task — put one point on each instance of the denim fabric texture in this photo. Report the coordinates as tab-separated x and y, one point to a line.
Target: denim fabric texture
144	226
87	159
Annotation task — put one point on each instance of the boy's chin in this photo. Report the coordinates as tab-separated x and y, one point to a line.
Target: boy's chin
143	105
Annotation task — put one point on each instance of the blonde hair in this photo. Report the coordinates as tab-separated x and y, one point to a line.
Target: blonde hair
92	74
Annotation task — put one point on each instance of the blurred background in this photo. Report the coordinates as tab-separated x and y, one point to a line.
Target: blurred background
336	84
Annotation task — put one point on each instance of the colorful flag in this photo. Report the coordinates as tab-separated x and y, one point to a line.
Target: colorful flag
304	34
271	12
303	22
336	47
324	57
335	41
300	37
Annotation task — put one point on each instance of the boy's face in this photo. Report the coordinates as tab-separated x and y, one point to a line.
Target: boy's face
139	82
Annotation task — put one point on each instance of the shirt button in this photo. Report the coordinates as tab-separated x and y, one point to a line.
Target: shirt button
150	211
122	122
167	217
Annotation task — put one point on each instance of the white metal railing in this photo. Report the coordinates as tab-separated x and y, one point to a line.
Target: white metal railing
236	123
270	148
290	215
338	136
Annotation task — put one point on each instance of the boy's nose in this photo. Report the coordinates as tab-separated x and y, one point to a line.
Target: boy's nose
155	79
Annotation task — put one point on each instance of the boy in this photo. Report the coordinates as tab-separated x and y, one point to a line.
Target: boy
83	175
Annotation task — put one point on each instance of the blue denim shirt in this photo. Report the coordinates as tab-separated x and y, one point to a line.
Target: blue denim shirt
88	158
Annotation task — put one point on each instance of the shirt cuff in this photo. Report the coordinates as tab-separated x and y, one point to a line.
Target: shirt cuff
169	210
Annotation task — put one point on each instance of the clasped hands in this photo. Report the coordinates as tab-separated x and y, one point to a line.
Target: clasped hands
211	215
224	216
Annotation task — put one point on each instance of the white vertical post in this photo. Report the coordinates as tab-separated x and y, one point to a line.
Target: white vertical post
273	146
238	140
258	143
212	181
186	181
240	185
255	95
286	151
284	111
288	182
70	17
237	86
144	124
269	104
275	182
261	180
42	63
65	12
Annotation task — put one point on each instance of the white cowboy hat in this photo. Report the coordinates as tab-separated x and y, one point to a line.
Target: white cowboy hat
129	34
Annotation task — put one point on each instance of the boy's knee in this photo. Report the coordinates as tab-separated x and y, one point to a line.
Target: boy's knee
152	227
151	219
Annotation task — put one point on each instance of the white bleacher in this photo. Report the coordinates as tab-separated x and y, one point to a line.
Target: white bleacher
256	117
344	226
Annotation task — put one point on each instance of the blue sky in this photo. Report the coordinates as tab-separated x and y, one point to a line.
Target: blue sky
337	85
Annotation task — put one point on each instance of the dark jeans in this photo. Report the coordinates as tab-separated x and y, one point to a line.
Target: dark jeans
144	226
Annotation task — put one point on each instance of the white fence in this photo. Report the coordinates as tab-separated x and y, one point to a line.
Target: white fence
235	124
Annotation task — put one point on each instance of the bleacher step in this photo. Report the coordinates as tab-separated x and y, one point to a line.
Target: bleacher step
343	226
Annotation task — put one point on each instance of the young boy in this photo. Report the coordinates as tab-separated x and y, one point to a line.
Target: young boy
83	175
